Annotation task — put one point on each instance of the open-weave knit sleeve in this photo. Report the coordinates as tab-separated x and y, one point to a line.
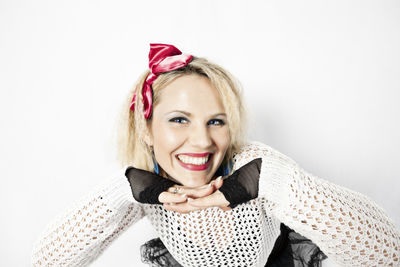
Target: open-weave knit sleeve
346	225
80	235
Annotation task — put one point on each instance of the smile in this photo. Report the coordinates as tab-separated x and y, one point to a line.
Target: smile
194	161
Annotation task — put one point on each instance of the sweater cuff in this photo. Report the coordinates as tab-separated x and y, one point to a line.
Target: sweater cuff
234	192
150	194
116	191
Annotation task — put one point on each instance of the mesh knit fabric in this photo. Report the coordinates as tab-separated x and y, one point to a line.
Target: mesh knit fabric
348	227
290	249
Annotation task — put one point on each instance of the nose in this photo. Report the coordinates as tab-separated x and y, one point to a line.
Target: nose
201	137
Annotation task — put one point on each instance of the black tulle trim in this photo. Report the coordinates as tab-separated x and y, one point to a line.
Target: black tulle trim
290	250
294	250
155	254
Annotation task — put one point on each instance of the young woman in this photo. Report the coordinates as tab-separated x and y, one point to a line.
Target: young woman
182	128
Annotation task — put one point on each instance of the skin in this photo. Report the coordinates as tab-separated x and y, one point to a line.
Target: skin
190	118
190	199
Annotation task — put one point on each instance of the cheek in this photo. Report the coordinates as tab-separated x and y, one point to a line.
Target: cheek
222	139
166	140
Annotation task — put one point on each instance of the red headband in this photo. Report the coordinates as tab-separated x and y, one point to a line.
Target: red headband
162	58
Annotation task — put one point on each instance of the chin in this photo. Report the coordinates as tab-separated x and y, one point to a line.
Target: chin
195	181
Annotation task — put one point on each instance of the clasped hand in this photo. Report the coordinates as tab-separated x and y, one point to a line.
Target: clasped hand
186	199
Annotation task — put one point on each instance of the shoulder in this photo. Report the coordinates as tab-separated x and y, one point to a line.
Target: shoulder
254	149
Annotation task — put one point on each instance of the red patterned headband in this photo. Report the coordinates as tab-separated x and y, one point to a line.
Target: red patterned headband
162	58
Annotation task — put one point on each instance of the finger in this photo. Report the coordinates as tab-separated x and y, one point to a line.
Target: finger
167	197
217	183
181	207
176	189
216	199
194	192
202	191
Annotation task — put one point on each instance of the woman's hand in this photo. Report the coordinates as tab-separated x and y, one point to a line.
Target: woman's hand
187	199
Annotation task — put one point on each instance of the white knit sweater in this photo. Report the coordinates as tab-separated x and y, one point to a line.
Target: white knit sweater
347	226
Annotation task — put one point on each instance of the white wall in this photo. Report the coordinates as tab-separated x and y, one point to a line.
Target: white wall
321	80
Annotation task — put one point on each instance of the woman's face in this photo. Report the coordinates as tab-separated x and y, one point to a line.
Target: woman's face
189	130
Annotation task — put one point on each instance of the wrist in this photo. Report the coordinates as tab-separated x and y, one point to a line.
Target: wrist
234	192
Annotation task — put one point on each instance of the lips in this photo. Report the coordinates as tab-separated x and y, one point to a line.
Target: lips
194	161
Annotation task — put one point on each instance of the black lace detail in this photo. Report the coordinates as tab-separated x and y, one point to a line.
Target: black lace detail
146	186
242	185
294	250
290	250
155	254
234	193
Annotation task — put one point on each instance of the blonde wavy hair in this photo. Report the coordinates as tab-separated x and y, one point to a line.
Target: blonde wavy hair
133	128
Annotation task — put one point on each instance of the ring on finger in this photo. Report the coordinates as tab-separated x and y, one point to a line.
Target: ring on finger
176	190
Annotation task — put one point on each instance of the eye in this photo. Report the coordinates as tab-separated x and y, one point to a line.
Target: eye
216	122
179	120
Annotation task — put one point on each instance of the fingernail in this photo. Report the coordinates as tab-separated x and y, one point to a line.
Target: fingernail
189	199
219	179
184	195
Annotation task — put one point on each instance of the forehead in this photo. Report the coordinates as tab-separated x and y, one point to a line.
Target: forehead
190	92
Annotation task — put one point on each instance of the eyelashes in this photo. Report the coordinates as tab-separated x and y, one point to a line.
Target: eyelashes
216	122
183	120
178	120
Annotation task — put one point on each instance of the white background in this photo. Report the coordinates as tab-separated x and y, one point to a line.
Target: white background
321	80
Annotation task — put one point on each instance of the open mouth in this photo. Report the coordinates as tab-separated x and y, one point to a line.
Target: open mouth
198	162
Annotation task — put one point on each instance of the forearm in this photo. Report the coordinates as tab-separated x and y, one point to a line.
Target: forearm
348	226
78	236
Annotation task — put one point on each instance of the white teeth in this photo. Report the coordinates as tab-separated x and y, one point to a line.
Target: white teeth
193	160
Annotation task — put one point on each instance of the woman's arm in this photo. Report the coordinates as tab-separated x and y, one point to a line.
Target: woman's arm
348	226
80	235
150	188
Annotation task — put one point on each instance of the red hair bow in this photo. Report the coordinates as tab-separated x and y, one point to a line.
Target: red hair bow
162	58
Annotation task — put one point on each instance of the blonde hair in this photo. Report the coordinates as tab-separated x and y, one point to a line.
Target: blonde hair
132	150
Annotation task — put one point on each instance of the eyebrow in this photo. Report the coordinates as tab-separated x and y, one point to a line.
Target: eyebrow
188	113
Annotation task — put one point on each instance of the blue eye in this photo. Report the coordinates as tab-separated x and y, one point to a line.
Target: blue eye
216	122
179	120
